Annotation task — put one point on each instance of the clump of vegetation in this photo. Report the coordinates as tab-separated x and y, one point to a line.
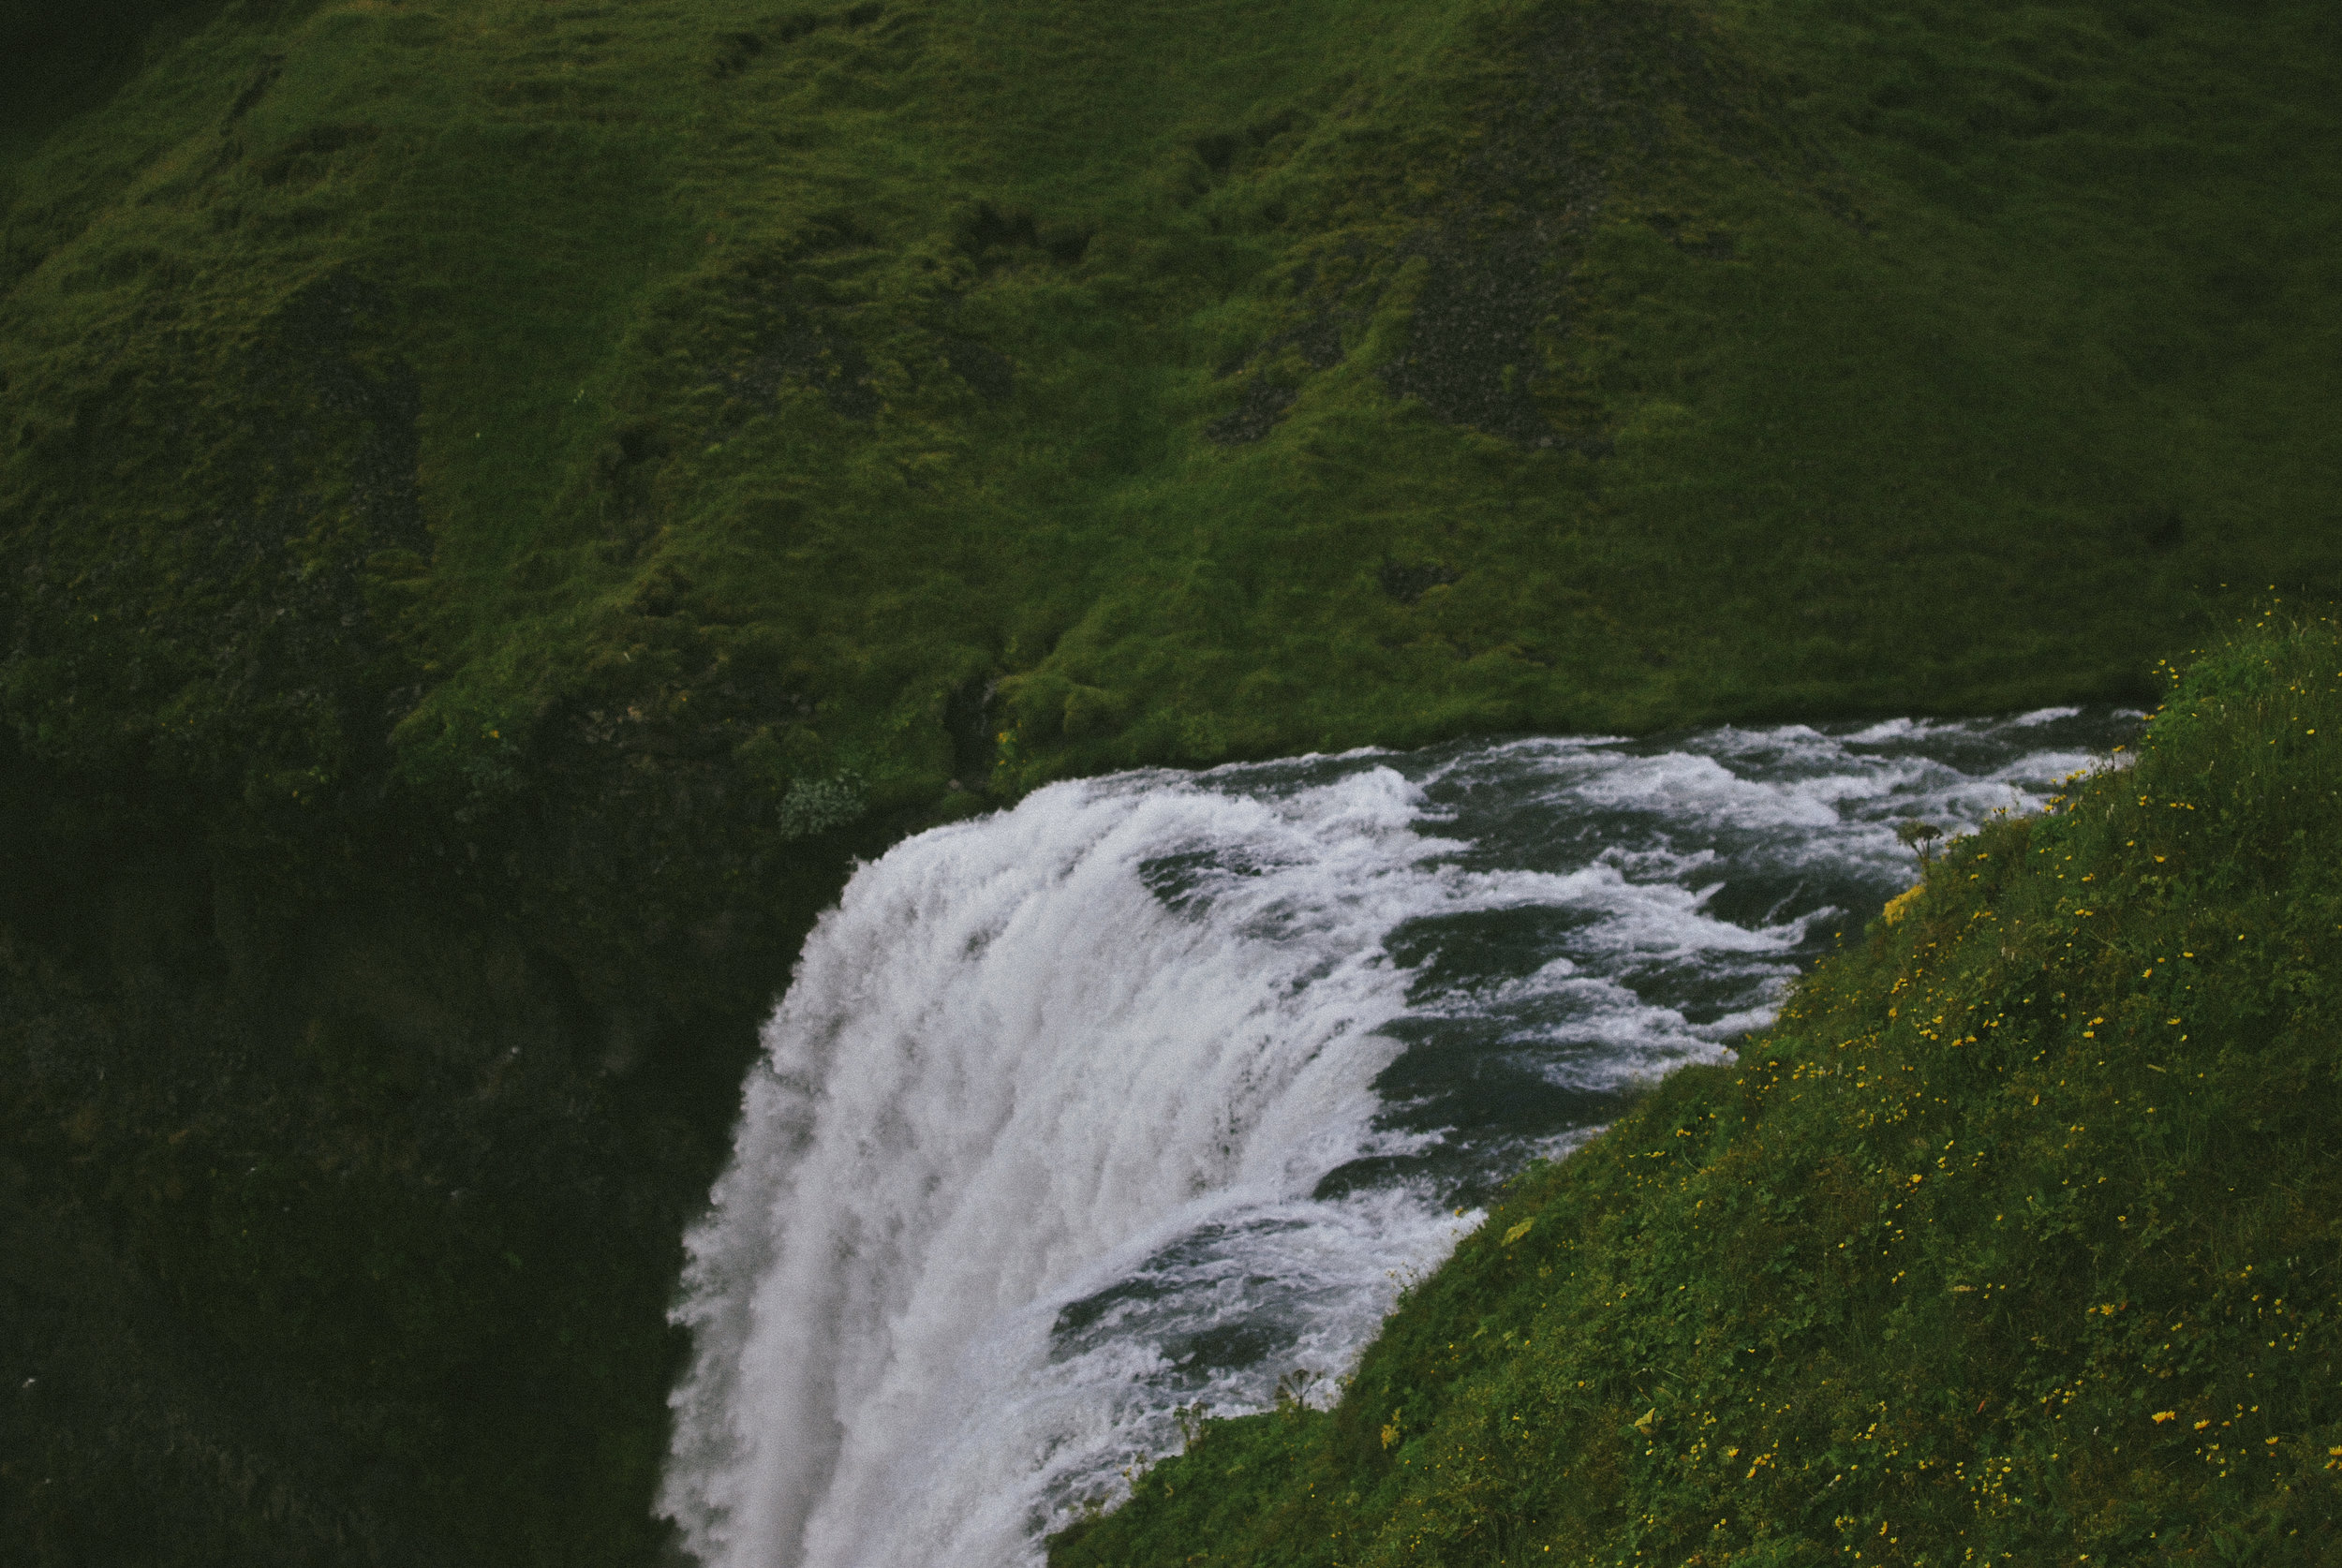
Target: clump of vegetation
2014	1239
427	378
501	499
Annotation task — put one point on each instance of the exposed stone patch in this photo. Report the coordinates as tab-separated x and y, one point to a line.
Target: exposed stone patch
794	334
1272	390
816	350
1591	92
1473	355
1265	403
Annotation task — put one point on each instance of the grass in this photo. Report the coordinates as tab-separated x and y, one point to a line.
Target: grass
548	482
896	341
2007	1242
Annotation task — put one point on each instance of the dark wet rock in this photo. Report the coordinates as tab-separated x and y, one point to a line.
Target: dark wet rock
1265	403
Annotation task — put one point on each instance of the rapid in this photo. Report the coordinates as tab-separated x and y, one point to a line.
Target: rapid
1150	1093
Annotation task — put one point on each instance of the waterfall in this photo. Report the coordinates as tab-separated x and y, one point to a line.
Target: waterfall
1155	1088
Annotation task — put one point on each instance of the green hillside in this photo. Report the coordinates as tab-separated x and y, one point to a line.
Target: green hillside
2009	1242
502	500
1220	380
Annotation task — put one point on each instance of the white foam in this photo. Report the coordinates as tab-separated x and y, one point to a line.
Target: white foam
1005	1062
1030	1156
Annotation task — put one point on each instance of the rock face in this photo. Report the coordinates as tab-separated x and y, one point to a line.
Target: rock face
313	1192
500	504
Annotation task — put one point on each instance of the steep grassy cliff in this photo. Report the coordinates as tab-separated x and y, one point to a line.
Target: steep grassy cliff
2011	1241
497	379
500	500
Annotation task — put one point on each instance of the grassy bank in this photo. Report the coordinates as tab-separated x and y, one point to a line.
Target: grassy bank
2012	1240
1214	380
500	500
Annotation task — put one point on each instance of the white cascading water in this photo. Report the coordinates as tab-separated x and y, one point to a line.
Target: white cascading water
1091	1109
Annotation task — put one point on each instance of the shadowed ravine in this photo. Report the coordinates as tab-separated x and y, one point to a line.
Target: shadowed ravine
1149	1091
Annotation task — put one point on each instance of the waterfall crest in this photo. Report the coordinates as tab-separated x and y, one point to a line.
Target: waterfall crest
1154	1088
1007	1064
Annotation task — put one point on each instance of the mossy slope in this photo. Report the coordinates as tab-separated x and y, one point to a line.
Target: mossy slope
1217	380
500	499
2012	1240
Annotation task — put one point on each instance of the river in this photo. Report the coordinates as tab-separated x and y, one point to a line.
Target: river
1154	1089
